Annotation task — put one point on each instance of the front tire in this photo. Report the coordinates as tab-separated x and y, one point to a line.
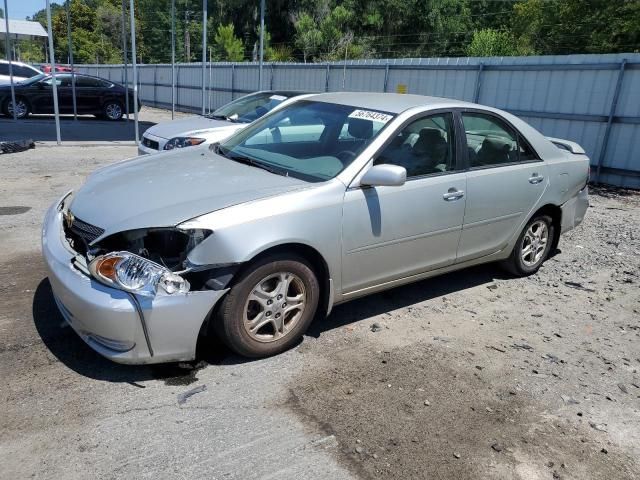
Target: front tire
22	110
533	246
112	111
270	307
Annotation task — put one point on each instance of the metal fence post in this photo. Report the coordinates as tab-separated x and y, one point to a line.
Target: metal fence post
476	93
155	85
233	73
326	80
612	111
271	80
177	86
386	77
9	60
204	54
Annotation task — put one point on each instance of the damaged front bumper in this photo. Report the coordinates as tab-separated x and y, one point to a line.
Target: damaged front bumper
112	321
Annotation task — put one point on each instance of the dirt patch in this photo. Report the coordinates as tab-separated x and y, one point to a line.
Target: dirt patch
431	413
17	210
524	378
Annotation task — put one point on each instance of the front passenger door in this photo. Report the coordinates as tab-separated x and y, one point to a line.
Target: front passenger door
393	232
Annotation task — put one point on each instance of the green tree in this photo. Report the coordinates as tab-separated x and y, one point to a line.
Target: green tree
394	28
492	43
31	51
308	37
280	53
228	47
554	27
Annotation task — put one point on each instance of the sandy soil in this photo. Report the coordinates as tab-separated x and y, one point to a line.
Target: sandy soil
478	375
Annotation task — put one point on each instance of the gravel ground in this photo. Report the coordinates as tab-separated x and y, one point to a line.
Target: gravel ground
470	375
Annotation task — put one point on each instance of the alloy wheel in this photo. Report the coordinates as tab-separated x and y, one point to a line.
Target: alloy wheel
274	306
21	108
113	111
534	243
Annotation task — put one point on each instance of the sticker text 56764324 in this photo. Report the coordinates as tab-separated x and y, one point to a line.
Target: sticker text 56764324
371	115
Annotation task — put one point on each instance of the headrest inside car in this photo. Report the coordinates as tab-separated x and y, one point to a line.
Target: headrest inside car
497	144
429	134
360	128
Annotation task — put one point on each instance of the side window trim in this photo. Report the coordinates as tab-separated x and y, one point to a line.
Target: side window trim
462	134
458	160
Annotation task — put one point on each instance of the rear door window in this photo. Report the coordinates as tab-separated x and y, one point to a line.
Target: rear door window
491	142
86	82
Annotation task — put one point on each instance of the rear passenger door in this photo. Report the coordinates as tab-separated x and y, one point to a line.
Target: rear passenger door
88	94
505	180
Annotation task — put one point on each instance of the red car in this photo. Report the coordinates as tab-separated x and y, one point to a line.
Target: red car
59	68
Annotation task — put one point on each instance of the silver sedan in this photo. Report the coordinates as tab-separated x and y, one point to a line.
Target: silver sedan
330	198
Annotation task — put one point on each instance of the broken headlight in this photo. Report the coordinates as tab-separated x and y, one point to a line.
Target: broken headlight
132	273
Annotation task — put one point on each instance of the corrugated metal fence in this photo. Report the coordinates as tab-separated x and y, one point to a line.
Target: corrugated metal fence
591	99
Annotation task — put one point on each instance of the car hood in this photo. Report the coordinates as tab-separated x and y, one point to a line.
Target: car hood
187	126
166	189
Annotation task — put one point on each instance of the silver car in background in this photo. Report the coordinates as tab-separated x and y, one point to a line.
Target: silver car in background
21	72
214	127
329	198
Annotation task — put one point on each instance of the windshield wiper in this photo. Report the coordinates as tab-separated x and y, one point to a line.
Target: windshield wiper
217	148
221	117
255	163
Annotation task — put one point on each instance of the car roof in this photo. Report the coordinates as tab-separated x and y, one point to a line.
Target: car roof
389	102
285	93
22	64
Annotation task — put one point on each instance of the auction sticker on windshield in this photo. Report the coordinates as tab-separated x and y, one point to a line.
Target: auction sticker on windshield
371	115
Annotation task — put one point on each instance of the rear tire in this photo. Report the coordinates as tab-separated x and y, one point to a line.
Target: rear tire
532	248
270	307
112	111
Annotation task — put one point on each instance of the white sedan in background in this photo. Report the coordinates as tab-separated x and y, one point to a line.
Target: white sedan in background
228	119
21	72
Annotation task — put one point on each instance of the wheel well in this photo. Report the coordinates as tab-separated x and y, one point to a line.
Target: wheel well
316	261
555	212
112	100
311	255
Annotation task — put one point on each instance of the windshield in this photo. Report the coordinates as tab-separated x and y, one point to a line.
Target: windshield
313	141
31	80
249	108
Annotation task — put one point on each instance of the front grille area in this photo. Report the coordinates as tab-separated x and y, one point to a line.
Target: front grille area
81	234
147	142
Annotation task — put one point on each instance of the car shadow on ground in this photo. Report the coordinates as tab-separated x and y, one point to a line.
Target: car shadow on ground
42	128
67	346
407	295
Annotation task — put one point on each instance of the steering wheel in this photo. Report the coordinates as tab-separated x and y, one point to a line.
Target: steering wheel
345	155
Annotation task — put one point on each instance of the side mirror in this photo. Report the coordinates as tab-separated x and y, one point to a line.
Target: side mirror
384	175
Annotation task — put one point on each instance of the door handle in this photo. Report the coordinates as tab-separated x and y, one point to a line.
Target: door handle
453	194
535	178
